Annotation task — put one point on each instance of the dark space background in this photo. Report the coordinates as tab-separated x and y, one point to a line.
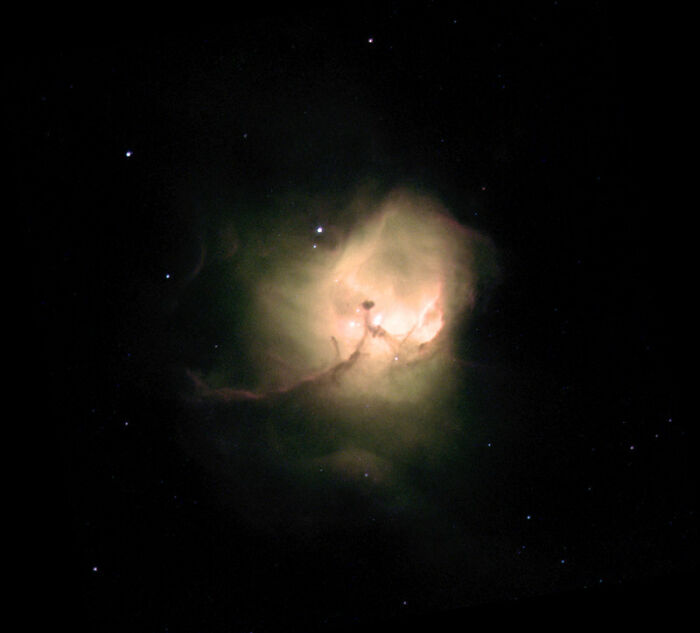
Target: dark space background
535	123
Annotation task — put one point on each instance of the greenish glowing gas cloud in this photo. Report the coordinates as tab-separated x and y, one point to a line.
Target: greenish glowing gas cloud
353	326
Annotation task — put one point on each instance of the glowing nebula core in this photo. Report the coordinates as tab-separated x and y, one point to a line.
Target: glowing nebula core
352	329
360	316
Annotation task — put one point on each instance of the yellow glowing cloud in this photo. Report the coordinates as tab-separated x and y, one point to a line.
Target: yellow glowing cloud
346	349
372	319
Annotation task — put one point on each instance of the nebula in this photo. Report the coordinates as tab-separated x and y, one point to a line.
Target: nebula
357	318
349	341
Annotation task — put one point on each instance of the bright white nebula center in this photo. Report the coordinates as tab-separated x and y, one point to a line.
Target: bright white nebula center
376	309
388	296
